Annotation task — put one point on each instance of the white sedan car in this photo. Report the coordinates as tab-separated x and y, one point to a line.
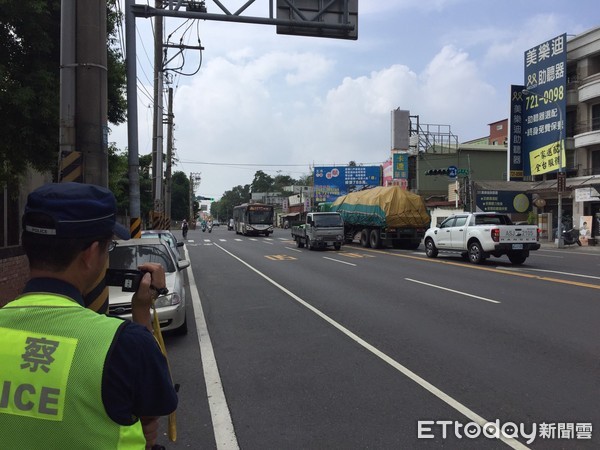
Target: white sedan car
128	255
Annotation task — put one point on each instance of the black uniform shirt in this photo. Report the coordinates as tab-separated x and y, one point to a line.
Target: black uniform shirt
136	380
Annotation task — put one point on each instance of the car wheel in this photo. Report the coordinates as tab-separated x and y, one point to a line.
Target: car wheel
299	242
476	253
430	249
337	246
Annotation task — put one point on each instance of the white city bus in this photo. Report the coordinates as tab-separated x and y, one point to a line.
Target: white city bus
253	218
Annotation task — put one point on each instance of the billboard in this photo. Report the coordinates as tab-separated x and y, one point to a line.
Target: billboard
503	201
517	165
331	182
400	165
545	105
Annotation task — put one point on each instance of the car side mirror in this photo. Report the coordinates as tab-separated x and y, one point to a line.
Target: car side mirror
179	244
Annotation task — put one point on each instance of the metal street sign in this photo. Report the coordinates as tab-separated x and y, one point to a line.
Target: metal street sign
336	13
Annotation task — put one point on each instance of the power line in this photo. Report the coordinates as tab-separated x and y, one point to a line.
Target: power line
270	165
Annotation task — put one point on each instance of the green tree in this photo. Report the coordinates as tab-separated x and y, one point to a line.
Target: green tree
29	84
118	177
262	182
282	181
180	196
29	88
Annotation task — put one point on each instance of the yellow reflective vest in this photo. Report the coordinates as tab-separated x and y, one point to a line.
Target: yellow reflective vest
52	353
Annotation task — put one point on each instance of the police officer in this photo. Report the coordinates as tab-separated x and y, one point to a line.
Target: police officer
72	378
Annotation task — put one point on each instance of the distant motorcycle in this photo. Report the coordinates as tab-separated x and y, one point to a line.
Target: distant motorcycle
210	227
570	236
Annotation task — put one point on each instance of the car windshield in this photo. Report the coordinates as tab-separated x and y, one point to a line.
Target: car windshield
129	257
165	237
328	220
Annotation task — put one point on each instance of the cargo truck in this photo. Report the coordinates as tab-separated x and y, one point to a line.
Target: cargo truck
320	230
383	216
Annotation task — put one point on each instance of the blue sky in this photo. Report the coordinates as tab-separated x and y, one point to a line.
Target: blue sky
262	101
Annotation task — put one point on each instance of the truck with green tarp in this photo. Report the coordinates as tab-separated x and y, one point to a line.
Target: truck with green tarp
383	216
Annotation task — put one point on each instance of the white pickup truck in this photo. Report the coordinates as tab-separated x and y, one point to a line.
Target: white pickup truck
481	235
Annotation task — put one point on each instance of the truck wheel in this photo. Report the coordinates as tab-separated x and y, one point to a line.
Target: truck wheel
309	244
299	242
337	246
517	258
430	249
374	239
476	253
364	238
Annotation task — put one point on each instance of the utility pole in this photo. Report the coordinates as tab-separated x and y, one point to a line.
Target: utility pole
83	137
168	174
157	141
135	225
68	67
91	113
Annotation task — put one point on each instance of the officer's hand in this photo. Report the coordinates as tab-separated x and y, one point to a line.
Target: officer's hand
153	279
150	428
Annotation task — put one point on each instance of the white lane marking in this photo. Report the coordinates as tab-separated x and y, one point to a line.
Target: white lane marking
452	290
395	364
238	239
225	437
566	273
294	249
337	260
252	239
223	240
206	240
563	251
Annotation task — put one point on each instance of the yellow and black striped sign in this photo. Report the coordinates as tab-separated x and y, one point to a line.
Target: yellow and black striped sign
135	227
159	221
71	167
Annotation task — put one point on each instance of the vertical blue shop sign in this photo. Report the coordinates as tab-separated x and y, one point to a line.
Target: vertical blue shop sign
545	105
